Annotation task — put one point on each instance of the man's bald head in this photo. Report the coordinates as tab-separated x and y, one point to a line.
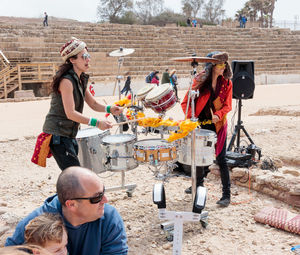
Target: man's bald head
69	183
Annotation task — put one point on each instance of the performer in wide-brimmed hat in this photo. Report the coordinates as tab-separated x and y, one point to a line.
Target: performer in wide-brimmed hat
213	104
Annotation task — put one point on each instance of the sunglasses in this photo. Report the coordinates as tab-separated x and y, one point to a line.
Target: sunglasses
93	200
220	65
86	56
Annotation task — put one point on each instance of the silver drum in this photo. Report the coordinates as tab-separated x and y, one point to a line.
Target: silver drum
204	148
118	150
90	153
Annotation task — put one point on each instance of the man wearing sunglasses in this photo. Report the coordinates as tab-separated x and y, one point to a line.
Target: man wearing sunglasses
93	226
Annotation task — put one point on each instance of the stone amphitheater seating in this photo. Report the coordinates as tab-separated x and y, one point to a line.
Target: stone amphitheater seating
275	51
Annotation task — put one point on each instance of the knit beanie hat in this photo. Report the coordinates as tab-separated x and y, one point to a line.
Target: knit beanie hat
222	57
72	48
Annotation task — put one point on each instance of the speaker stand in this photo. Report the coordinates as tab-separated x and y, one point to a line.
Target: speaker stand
237	131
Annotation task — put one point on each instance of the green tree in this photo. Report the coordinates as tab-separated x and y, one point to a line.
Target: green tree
128	18
191	7
112	10
213	10
187	9
147	9
168	16
259	10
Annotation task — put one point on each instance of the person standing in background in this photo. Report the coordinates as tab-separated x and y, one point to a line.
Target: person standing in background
165	77
45	22
173	80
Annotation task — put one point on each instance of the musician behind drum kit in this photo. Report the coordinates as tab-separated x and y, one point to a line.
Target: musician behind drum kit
70	91
214	102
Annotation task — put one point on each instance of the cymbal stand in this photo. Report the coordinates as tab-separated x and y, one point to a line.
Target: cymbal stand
192	94
118	81
162	115
119	77
194	64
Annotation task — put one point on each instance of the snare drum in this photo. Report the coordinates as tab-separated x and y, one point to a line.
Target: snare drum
204	148
142	93
161	98
154	150
118	152
90	153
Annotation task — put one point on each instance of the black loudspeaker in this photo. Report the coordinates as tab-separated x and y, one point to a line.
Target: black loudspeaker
243	79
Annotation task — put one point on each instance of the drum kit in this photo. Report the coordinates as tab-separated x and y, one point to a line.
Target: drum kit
101	151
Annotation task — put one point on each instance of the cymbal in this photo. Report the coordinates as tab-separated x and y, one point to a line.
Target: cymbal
121	52
196	59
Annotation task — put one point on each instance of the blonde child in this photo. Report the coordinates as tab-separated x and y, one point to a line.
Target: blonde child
48	231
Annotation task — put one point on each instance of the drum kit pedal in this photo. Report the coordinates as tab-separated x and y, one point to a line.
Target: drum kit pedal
100	151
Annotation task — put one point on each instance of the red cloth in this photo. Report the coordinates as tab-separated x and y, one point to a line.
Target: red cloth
155	80
223	105
42	149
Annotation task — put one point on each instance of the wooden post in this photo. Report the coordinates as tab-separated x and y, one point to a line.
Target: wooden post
5	88
39	72
19	77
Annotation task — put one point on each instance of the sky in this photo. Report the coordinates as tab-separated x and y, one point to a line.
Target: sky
87	10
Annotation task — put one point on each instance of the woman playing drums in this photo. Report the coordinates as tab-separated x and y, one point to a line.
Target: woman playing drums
214	103
62	121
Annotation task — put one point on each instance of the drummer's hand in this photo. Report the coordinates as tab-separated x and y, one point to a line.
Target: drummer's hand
215	118
103	124
200	76
116	110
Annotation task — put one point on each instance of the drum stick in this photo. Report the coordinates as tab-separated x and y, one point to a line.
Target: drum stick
129	121
212	113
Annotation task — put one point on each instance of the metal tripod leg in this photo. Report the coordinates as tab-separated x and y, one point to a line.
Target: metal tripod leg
130	187
248	136
236	130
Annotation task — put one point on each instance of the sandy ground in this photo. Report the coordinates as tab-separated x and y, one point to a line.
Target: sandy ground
272	118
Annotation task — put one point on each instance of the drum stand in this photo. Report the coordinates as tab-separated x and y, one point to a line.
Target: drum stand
168	165
174	227
130	187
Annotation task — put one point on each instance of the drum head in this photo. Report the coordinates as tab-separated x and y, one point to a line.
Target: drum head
151	143
89	132
158	92
144	90
205	132
119	138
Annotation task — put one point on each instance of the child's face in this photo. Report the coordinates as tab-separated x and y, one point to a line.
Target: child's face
58	248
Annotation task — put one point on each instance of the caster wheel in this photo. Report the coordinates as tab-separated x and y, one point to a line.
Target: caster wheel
204	224
170	238
129	193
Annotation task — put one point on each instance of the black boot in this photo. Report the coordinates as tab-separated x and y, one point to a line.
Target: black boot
224	201
188	190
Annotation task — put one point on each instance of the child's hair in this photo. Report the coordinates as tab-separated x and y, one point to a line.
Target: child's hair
44	228
23	250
